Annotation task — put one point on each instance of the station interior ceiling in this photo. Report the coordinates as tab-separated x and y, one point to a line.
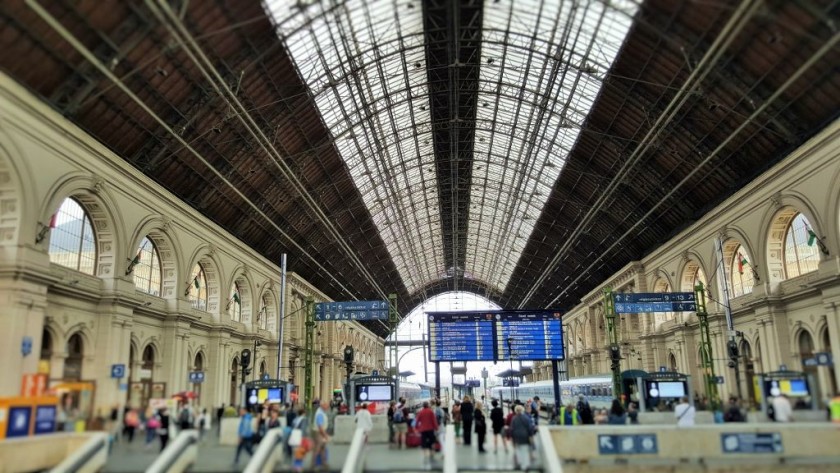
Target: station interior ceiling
521	150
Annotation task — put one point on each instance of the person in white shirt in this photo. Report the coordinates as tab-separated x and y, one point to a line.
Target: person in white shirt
782	409
364	420
684	413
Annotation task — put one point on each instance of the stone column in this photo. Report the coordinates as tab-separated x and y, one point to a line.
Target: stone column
24	305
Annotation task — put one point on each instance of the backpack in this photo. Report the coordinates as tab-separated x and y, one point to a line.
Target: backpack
184	416
399	418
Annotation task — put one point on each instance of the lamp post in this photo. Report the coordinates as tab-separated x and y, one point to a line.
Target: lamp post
257	343
349	355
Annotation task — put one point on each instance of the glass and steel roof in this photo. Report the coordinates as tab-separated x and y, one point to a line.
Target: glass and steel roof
541	68
363	64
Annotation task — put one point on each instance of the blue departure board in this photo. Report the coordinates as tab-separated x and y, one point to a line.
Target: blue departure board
495	335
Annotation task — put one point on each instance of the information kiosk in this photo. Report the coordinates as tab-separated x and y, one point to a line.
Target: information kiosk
375	390
275	391
663	390
796	385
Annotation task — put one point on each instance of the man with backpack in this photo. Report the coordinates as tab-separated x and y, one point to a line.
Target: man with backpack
585	411
186	419
535	409
400	421
520	432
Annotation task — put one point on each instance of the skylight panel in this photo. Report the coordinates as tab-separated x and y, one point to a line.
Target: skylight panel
539	88
357	58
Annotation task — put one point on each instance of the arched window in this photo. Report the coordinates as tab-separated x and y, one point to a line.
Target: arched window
235	303
198	288
699	277
72	241
801	252
673	362
806	345
146	266
147	369
741	273
46	345
262	369
75	355
198	365
660	318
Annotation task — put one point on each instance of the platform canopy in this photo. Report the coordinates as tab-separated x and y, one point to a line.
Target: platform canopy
525	150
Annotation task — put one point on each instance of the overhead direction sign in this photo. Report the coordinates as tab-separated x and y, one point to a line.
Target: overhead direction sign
351	310
634	303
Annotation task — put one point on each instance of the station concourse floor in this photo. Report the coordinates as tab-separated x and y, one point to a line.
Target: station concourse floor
134	457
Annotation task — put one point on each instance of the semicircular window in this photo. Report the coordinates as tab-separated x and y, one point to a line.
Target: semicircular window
72	240
146	268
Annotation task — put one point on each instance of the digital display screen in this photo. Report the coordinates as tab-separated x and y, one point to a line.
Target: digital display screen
495	335
671	389
275	395
373	392
796	387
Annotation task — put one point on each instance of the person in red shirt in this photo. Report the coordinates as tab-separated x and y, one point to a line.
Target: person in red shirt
427	425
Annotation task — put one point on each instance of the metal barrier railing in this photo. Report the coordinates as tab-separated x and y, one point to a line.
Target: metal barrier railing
355	462
178	455
90	457
550	458
267	454
450	461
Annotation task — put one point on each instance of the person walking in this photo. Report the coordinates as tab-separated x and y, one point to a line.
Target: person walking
467	410
364	420
520	433
400	421
320	438
685	413
834	409
585	411
497	420
426	423
535	409
782	408
457	419
392	407
633	413
152	426
480	421
617	416
163	430
245	433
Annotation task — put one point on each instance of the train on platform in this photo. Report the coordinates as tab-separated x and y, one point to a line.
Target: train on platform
598	390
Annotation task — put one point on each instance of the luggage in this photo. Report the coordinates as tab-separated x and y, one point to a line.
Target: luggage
412	439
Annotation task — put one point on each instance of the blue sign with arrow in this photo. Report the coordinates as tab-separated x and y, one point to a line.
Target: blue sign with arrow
637	444
633	303
751	442
118	371
351	310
